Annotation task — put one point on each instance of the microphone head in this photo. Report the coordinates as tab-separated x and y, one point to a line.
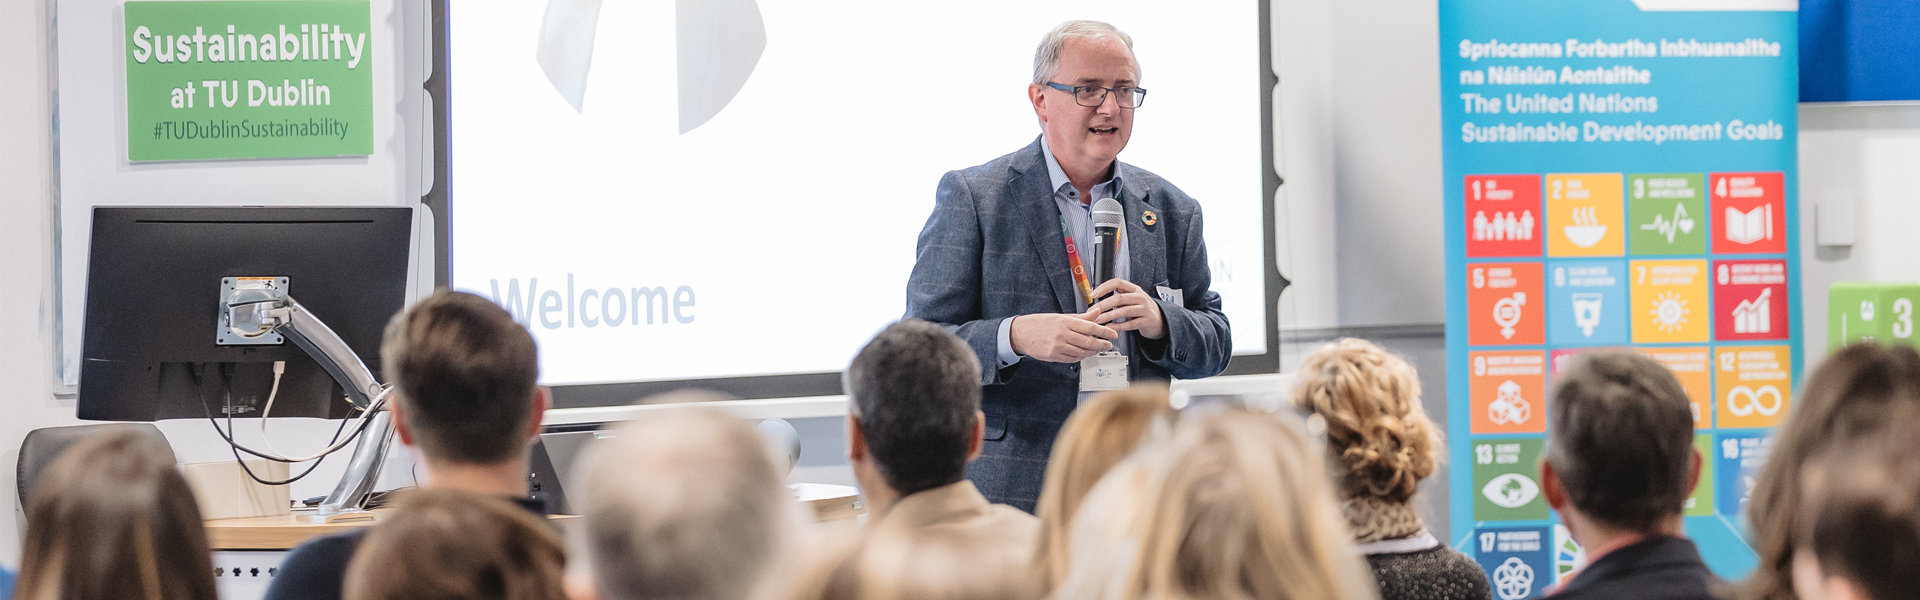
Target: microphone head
1107	213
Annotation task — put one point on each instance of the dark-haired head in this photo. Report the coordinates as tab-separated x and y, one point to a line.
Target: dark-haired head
1621	441
915	392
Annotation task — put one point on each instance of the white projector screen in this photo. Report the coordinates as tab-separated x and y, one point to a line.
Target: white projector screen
760	171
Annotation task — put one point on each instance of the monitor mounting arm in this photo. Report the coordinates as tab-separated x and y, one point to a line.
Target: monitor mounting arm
260	311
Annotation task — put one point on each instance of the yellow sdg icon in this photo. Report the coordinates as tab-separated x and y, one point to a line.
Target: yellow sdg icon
1585	215
1753	384
1669	301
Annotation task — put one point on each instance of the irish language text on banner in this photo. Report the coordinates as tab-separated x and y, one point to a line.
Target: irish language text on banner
1617	176
248	79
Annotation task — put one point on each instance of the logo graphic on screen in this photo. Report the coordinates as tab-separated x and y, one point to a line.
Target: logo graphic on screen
1514	579
1511	490
718	43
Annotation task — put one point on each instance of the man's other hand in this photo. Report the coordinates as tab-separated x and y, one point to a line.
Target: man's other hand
1061	338
1128	302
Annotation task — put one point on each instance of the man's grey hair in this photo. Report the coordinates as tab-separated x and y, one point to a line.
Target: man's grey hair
1046	58
682	504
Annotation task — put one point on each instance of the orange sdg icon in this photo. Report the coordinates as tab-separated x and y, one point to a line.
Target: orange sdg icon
1508	390
1505	305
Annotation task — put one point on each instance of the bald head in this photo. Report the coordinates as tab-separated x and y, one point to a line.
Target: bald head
681	504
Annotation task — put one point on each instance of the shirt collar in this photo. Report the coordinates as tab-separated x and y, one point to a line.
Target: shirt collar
1059	175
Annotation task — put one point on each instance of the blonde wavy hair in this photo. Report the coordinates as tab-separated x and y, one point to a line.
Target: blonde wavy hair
1381	439
1236	505
1099	434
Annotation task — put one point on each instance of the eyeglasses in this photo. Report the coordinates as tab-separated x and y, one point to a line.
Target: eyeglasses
1092	96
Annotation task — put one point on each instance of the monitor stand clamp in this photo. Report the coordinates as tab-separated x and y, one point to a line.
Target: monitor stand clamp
258	310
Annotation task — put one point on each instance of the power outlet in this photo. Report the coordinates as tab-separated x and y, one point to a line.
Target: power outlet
245	574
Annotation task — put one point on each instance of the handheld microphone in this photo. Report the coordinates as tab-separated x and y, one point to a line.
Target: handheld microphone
1106	244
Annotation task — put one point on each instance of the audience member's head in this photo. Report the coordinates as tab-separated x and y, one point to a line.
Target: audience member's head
464	380
914	412
1097	436
1860	524
1620	456
1380	439
898	563
681	504
1847	397
1235	505
112	518
445	544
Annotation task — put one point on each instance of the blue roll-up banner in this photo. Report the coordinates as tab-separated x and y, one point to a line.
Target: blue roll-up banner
1619	174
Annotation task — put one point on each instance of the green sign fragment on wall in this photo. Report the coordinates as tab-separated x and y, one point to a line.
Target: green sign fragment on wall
248	79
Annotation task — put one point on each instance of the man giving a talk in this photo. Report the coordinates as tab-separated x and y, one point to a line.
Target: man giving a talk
1006	258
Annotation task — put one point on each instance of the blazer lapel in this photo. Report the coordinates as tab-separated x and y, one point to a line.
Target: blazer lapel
1033	198
1146	245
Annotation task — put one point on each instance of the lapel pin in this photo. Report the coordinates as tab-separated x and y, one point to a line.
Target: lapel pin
1148	218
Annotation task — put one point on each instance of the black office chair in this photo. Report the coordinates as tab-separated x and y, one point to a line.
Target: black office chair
45	444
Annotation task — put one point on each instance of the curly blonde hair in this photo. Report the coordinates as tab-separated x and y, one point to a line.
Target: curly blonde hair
1381	440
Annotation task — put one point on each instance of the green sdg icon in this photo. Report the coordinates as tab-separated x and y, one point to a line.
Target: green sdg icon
1700	503
1666	213
1506	484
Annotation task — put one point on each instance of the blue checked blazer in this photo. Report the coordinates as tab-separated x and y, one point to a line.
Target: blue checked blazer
992	250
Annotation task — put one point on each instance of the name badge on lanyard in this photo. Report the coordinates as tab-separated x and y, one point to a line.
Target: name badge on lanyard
1106	370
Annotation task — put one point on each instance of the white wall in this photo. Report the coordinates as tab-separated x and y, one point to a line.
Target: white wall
1868	155
1359	124
26	183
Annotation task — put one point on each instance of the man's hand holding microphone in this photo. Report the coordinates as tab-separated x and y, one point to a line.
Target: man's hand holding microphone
1123	306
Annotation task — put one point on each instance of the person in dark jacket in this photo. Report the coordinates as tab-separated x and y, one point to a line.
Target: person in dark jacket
465	399
1620	465
1382	444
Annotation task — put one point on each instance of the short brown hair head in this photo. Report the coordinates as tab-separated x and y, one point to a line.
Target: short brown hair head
1848	396
445	544
1621	438
465	374
112	518
1380	437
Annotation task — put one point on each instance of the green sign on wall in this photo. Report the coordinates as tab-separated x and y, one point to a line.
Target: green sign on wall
248	79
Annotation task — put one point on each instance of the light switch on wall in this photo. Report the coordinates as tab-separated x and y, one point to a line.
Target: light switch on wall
1833	221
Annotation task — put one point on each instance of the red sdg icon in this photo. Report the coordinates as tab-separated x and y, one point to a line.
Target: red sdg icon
1750	300
1749	212
1503	215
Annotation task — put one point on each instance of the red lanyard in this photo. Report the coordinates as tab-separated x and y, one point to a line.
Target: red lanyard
1076	266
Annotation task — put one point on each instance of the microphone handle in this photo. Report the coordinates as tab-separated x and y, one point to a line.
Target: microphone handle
1106	247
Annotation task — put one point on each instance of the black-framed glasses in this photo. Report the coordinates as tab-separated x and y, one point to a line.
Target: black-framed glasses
1092	96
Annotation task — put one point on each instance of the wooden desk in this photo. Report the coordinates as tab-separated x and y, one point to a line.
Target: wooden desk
830	503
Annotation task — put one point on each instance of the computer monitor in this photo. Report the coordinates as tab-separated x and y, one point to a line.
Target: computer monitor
151	346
